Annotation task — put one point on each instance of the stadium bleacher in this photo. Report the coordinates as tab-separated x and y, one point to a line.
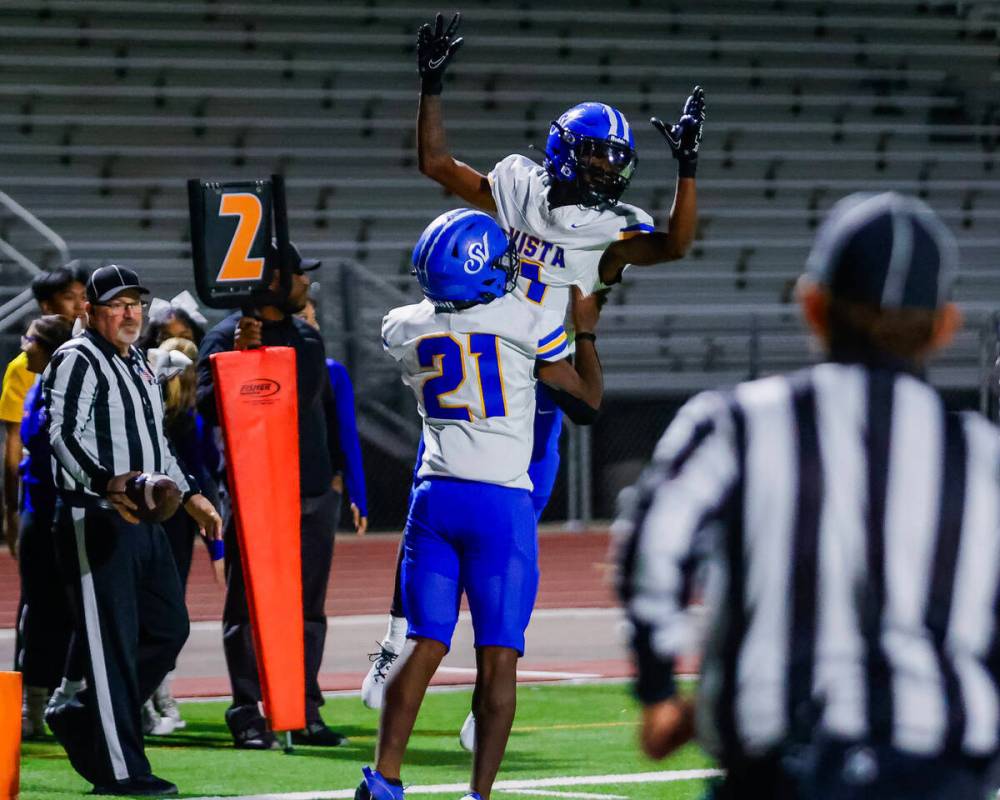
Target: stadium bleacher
110	105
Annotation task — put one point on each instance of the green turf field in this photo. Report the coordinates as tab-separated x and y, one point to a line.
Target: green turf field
560	731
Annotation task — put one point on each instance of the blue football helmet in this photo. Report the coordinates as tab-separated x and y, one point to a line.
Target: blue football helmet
464	258
591	146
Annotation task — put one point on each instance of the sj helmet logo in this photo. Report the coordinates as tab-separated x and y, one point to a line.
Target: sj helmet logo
478	256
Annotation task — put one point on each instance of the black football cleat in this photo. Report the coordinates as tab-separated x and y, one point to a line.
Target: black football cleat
255	739
146	786
316	734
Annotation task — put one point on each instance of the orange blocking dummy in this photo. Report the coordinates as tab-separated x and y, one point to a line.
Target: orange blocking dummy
10	734
258	407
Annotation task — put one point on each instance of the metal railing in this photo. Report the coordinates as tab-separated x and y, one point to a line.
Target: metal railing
15	309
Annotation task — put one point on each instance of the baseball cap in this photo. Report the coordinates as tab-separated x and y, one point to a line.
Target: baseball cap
885	250
108	282
296	262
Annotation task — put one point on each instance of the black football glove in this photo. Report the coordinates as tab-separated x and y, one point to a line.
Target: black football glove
684	137
435	48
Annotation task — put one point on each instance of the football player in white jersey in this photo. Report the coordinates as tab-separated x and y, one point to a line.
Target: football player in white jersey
564	214
470	352
570	227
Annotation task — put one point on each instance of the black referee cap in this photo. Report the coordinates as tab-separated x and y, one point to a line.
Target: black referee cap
110	281
885	250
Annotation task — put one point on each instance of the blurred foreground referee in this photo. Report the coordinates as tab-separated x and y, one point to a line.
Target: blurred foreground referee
843	530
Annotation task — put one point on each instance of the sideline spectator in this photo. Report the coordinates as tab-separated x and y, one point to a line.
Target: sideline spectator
193	446
320	458
62	292
347	428
46	620
179	317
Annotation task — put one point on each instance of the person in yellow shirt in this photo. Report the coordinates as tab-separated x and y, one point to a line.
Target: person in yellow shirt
61	291
17	380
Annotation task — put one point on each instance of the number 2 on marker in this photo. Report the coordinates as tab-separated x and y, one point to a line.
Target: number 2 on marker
238	266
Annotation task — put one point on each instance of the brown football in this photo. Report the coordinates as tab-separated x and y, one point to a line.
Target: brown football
155	495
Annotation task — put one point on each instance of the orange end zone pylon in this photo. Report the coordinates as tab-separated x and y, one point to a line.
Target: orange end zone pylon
10	735
257	398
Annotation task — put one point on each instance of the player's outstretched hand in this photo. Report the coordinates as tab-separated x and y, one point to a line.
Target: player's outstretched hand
585	311
684	136
435	48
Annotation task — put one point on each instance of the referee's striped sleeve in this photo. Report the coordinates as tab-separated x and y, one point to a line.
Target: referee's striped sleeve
663	534
172	468
70	386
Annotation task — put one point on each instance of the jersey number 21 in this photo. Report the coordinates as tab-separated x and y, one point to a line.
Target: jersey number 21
446	354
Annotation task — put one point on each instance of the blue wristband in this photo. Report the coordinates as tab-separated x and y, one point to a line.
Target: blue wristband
216	549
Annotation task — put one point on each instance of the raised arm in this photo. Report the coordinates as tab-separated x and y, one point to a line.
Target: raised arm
435	48
683	139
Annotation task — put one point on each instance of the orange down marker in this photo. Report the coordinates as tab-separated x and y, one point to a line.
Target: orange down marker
257	398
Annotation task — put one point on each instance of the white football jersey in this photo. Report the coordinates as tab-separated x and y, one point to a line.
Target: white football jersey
558	247
472	373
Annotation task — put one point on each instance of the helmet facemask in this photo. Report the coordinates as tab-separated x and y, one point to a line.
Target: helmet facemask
603	170
510	263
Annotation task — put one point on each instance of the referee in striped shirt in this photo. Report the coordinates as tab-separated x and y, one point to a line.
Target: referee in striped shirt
843	530
105	426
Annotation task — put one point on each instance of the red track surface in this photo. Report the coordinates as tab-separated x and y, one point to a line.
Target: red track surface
363	569
573	576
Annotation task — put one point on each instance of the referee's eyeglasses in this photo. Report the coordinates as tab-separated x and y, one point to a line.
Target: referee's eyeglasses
118	308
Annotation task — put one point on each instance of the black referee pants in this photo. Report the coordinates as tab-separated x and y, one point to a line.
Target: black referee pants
320	516
134	623
834	770
848	771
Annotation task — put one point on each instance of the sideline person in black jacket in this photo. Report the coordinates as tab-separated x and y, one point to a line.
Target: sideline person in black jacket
320	459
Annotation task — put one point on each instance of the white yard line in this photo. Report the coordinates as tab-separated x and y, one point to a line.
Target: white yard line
673	776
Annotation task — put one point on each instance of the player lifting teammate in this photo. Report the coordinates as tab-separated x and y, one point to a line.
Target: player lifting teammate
569	227
470	352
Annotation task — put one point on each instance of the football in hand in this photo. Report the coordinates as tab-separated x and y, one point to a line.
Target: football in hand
155	495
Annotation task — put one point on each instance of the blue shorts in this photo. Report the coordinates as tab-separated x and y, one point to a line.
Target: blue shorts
479	538
544	467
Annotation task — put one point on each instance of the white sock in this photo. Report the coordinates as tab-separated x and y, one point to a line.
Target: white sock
395	635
